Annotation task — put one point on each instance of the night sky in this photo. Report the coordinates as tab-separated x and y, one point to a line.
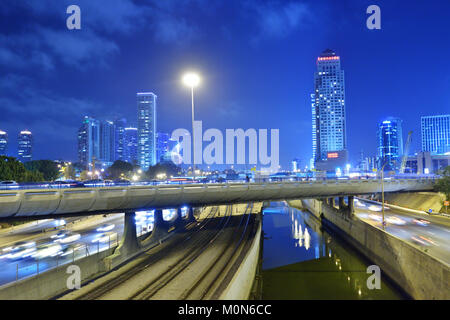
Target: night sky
256	57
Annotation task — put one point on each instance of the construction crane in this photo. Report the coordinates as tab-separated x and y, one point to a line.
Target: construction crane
405	153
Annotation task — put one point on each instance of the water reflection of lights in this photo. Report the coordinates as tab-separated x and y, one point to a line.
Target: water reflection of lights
303	237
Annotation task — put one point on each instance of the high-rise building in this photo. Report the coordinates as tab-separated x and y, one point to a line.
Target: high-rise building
436	134
120	125
107	142
328	112
3	143
162	145
146	103
295	165
390	144
130	151
89	141
25	146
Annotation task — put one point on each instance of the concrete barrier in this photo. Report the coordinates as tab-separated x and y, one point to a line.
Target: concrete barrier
240	286
53	282
420	275
421	201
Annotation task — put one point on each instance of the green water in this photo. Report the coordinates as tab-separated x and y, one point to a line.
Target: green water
302	261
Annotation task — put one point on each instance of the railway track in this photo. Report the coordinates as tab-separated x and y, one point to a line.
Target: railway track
215	270
171	273
193	231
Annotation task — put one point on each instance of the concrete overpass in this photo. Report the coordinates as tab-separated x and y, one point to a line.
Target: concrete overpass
42	203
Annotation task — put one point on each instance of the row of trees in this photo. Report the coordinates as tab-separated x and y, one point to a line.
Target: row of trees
12	169
47	170
443	184
121	169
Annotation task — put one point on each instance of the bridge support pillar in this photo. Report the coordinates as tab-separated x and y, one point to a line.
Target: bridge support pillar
190	215
179	222
342	205
351	205
129	244
332	202
160	227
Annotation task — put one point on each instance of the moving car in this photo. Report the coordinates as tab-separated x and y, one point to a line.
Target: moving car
8	185
122	182
66	184
106	227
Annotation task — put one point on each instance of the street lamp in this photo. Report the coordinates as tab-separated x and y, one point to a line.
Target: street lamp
382	193
192	80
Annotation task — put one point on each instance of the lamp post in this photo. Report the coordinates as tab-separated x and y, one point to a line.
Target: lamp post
382	194
192	80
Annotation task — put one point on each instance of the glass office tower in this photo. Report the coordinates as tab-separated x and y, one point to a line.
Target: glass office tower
89	141
130	151
436	134
162	145
107	142
390	144
146	103
3	143
119	145
25	146
328	107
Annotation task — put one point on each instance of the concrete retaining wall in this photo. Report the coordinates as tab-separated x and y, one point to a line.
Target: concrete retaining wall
422	201
417	273
53	282
241	285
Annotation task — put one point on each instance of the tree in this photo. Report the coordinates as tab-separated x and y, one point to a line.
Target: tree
69	172
167	168
443	184
118	168
12	169
48	168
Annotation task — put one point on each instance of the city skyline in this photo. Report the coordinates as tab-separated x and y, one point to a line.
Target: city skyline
379	77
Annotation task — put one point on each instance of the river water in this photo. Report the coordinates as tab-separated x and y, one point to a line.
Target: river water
303	261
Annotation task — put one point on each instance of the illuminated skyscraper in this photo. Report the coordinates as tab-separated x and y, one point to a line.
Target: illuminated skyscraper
25	146
162	145
89	141
328	109
107	142
390	143
130	148
119	139
146	103
436	134
3	143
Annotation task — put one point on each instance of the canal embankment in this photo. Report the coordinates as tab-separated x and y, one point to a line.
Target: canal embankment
420	275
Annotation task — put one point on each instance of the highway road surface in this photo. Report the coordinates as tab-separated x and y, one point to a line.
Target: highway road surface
429	233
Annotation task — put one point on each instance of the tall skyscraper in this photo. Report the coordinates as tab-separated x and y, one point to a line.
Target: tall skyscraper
295	165
120	125
130	151
436	134
328	112
25	146
89	141
107	142
3	143
390	143
146	103
162	145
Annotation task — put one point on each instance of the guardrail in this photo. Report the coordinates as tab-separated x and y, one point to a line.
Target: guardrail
51	186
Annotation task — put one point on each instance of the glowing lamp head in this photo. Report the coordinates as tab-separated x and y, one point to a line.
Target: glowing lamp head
191	79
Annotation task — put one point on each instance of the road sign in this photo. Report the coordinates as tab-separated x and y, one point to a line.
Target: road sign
446	203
